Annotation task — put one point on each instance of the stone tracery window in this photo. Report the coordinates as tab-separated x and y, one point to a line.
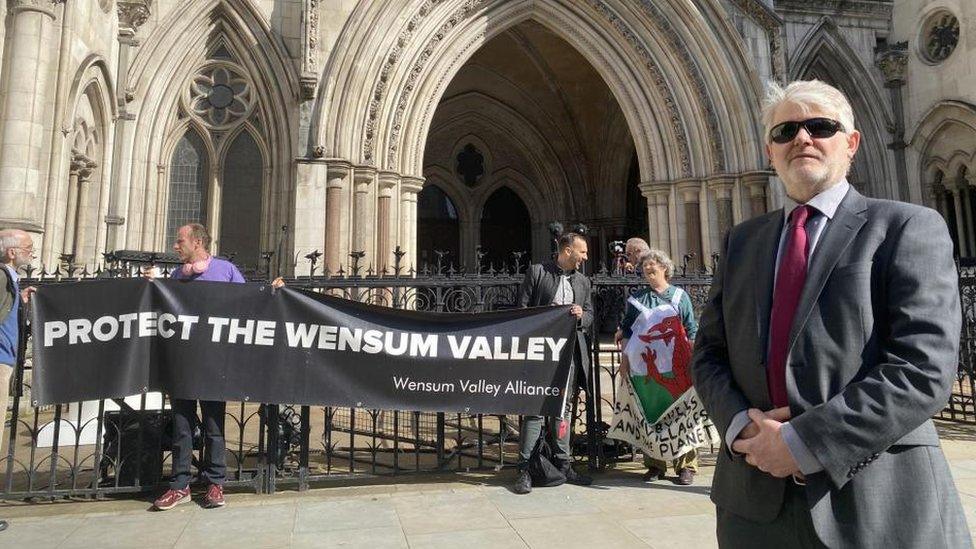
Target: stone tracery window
188	185
940	36
220	95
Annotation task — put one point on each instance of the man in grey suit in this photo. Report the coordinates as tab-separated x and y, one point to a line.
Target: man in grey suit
829	340
557	282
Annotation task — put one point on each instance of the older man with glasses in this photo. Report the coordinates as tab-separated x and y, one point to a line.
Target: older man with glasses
829	339
16	251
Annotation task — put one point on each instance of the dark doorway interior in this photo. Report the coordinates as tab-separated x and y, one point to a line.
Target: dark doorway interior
505	228
438	228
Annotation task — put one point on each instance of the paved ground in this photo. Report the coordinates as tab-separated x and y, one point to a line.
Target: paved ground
469	511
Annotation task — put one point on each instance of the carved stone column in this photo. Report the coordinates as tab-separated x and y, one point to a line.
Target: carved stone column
336	214
662	199
937	194
81	228
960	220
690	194
652	229
722	189
756	183
308	81
967	210
364	178
132	15
409	188
387	183
30	48
79	176
892	60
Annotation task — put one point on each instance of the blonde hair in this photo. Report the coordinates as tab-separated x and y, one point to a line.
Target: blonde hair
807	94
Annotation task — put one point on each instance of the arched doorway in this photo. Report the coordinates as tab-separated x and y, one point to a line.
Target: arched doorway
530	121
438	228
561	93
505	229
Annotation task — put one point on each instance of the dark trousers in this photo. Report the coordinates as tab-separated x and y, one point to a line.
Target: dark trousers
532	427
793	527
213	464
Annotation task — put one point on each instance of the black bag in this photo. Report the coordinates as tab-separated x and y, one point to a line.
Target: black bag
540	466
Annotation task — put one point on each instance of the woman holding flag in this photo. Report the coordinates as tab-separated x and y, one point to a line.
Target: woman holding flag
657	331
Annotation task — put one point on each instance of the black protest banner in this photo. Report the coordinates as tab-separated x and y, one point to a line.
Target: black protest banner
245	342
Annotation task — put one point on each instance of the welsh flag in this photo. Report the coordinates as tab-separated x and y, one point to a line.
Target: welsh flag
660	357
657	409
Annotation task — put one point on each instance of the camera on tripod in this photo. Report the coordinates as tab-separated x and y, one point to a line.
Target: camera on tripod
618	255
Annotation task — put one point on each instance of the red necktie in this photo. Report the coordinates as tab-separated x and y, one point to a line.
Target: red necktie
786	296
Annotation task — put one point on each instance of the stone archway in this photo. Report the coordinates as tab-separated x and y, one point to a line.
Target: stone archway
825	55
189	45
946	160
686	97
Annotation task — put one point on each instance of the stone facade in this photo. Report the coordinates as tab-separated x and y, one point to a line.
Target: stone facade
462	126
939	101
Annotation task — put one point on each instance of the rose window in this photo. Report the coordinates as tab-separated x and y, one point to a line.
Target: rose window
220	96
940	37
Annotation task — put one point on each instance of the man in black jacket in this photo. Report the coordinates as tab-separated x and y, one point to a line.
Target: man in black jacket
557	282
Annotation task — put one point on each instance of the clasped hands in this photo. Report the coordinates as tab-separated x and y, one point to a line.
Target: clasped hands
762	444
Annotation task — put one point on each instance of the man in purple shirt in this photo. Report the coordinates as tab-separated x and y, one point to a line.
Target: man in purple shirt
193	246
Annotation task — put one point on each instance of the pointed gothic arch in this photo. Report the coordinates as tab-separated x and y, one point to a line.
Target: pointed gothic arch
824	54
385	102
212	33
77	203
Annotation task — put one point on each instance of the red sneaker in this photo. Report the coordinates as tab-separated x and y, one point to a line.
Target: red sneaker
214	497
172	498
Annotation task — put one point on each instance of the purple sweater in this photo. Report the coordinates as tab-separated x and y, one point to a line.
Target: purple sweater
220	270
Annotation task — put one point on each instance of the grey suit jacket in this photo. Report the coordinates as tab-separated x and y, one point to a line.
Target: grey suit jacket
872	357
539	286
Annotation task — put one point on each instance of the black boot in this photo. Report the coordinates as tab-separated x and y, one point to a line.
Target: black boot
573	477
523	482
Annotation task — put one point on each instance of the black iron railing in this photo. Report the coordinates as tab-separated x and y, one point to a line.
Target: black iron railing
122	446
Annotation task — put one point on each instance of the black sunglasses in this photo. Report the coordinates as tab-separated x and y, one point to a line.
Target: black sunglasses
818	128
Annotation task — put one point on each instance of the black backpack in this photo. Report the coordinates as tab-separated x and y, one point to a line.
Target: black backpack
540	466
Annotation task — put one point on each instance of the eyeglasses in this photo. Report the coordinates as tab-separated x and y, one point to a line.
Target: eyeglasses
818	128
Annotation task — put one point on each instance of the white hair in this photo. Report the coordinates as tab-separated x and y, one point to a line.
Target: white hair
807	94
661	259
638	243
9	238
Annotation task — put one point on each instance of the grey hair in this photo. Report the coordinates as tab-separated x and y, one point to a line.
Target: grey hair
9	238
659	257
807	94
638	243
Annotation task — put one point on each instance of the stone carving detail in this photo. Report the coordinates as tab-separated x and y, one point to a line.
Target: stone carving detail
893	62
466	10
667	30
659	81
772	24
309	79
850	7
220	95
133	13
458	16
769	23
379	91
